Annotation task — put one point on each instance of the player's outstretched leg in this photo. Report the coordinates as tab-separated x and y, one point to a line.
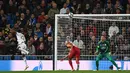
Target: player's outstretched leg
100	56
113	62
25	61
23	50
70	62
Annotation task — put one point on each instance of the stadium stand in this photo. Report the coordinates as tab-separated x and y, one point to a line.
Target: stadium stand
35	19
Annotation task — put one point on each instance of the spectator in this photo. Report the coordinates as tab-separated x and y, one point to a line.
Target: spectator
48	7
124	32
35	28
125	47
118	6
128	34
74	7
79	9
99	2
127	12
16	17
98	9
31	39
87	9
1	35
127	7
6	30
32	20
38	10
40	48
118	11
67	11
41	18
3	18
25	33
79	43
22	9
92	45
82	34
23	20
109	9
31	48
64	9
49	46
47	19
91	28
54	10
113	29
17	24
35	40
11	8
1	5
32	5
75	30
120	42
45	41
11	20
25	3
2	44
94	11
68	3
113	43
28	14
43	4
11	45
49	29
104	34
39	33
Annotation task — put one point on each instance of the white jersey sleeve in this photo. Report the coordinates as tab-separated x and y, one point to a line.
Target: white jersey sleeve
20	38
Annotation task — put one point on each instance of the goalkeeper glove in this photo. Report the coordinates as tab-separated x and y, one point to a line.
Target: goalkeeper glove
109	53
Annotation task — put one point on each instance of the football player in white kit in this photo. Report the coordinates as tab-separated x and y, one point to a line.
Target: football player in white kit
21	45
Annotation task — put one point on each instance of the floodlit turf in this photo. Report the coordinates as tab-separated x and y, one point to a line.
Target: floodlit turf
67	72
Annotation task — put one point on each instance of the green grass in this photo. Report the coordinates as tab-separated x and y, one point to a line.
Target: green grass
126	71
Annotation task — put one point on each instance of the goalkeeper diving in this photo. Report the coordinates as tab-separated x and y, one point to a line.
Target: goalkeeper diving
103	50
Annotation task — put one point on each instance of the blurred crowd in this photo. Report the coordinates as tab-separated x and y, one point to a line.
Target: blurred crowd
35	19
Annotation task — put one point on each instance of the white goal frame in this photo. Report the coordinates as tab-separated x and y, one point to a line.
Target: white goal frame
78	16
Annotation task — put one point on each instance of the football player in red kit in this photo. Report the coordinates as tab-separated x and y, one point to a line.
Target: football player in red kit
73	52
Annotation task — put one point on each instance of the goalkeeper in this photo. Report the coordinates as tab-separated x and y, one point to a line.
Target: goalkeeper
103	50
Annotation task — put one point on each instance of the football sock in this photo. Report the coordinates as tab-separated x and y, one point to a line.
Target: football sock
77	62
114	63
97	64
24	58
70	62
77	66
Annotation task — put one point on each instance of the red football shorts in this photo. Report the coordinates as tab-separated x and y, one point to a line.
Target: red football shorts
74	52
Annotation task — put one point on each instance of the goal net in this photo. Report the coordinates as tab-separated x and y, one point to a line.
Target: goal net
85	31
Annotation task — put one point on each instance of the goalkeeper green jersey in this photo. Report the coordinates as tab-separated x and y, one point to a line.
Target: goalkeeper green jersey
103	47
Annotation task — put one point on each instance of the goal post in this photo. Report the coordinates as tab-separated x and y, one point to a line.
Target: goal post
115	27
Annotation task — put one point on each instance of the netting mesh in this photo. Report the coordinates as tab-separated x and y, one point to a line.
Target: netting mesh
88	30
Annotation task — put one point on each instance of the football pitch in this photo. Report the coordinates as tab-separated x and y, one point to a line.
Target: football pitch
66	71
